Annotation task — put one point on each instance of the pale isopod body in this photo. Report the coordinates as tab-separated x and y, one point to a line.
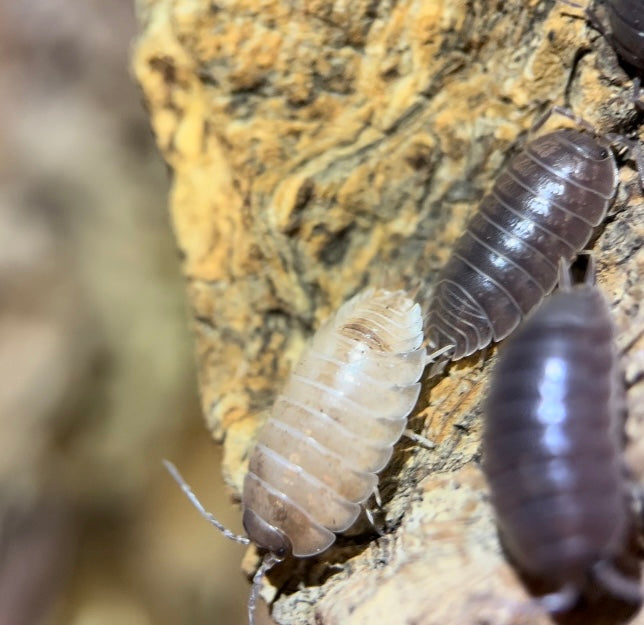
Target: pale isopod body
542	207
335	424
551	449
331	430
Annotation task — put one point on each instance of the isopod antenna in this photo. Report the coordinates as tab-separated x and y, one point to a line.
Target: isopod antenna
269	560
178	478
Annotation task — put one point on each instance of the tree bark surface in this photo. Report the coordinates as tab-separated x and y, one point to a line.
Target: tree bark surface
311	143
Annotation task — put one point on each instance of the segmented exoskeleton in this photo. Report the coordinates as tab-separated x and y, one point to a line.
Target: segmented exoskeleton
623	27
542	207
626	19
332	429
335	424
551	446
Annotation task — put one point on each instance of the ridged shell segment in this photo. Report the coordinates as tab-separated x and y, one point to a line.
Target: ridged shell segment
626	19
334	425
551	448
543	207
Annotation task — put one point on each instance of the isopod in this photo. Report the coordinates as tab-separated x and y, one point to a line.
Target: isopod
626	19
542	207
551	445
332	429
624	32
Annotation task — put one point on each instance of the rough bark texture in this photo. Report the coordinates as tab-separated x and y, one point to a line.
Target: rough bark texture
313	142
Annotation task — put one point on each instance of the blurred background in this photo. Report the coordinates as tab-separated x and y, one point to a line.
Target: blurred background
96	368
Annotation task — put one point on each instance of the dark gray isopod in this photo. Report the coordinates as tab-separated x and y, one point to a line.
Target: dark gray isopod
625	28
626	19
622	25
551	449
543	207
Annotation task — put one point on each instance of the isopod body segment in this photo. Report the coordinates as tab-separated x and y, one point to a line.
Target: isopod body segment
551	450
543	207
626	18
334	425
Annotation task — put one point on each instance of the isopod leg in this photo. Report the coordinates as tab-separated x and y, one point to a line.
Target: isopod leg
564	112
561	601
430	358
372	522
637	90
617	583
369	514
564	281
572	4
520	610
268	563
597	24
590	15
376	496
635	149
437	365
178	478
590	277
417	438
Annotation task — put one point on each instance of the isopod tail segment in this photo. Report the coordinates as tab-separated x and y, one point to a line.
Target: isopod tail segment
613	580
608	140
434	361
269	560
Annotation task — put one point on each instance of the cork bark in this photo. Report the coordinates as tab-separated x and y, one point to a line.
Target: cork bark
313	143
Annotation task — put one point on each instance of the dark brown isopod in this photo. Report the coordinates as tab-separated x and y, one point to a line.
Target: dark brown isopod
626	19
542	207
551	446
623	27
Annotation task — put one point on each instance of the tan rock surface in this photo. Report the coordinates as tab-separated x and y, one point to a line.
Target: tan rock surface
312	143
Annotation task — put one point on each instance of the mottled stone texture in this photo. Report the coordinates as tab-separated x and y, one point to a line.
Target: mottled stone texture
317	146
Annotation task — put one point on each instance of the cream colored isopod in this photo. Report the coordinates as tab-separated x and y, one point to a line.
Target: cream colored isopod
332	429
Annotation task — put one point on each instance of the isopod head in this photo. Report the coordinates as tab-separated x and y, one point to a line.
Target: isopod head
265	535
